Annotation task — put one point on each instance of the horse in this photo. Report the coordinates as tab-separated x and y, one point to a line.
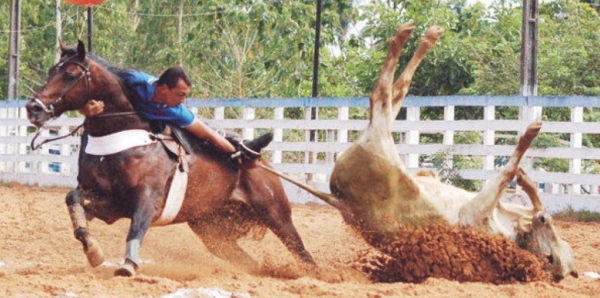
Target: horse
224	200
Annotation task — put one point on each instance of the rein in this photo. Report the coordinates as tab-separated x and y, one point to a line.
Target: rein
38	146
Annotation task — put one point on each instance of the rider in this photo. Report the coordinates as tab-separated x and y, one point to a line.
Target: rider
163	99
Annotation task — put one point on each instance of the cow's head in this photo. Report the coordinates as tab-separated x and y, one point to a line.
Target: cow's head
542	239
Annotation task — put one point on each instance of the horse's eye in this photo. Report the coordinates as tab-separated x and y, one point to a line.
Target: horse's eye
550	259
69	76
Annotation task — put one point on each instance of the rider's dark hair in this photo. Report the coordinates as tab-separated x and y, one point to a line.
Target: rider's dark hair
171	76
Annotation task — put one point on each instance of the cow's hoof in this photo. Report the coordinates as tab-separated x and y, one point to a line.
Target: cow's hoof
433	33
94	254
128	269
406	30
534	128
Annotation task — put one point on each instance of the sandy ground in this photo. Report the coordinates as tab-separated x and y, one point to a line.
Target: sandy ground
39	257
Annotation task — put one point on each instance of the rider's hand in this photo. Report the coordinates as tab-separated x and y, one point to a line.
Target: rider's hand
92	108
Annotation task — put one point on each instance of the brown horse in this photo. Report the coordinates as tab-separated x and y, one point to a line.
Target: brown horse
223	201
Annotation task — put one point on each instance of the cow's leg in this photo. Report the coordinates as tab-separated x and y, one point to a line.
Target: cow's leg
530	188
376	144
403	82
480	208
381	97
80	226
140	222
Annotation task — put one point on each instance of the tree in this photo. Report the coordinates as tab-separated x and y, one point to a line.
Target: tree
594	3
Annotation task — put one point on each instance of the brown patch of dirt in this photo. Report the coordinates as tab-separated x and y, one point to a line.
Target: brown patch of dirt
39	257
454	253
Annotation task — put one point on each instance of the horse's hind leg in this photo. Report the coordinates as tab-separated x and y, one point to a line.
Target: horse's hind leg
80	226
287	233
265	193
221	240
278	217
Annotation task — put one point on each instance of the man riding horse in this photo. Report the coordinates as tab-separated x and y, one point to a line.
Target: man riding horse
162	100
128	169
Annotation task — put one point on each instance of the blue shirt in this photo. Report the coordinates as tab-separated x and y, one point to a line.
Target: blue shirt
141	83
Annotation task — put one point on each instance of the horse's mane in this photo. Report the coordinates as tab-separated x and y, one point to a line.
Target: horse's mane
118	71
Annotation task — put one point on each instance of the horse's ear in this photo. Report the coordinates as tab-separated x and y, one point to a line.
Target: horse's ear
80	50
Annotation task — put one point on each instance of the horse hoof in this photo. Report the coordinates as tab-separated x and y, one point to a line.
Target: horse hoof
127	269
94	254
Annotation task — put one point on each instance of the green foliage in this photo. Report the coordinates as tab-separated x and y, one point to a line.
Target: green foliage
448	169
448	164
4	38
255	48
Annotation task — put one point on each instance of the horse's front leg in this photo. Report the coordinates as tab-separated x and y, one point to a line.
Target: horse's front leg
140	222
80	227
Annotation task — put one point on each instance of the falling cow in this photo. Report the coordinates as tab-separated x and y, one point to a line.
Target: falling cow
376	195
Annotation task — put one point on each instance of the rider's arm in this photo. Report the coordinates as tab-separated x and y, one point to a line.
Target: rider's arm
203	131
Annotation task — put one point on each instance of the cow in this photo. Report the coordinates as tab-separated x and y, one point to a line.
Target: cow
375	194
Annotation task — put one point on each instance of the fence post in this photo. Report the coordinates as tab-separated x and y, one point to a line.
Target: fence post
278	136
576	141
42	166
65	168
489	139
219	113
23	146
249	114
449	135
412	138
3	133
342	134
11	113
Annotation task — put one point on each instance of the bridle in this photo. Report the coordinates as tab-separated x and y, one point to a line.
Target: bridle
86	73
50	108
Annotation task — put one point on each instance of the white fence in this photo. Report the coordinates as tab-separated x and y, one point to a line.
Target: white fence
293	153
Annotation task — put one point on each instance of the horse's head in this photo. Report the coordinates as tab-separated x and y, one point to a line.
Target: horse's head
68	87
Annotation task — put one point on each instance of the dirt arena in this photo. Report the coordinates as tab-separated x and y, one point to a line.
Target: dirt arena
39	257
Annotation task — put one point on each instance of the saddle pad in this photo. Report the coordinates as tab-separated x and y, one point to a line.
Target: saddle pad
117	142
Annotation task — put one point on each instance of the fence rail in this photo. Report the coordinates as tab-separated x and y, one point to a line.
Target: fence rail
56	163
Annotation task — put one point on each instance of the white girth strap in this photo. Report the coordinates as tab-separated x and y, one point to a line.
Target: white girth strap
174	198
117	142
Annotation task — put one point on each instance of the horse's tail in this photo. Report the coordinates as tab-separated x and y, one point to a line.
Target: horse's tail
326	197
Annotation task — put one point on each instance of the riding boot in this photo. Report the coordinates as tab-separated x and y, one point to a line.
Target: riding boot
250	148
